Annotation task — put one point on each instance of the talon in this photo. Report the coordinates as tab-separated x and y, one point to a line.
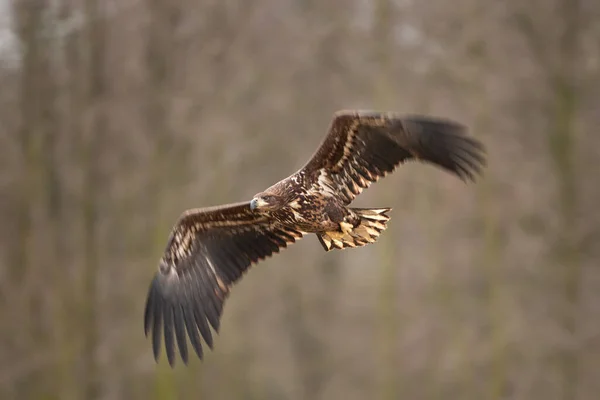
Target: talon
346	227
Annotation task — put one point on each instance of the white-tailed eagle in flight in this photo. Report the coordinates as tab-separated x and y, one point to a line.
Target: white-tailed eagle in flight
209	249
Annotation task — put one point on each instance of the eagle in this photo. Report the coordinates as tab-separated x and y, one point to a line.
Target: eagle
209	249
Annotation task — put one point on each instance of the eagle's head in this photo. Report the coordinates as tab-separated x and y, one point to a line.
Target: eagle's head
266	202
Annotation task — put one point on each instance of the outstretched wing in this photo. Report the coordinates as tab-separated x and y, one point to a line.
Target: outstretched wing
363	146
208	251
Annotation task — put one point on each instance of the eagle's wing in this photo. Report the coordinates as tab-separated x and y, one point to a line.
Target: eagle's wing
208	251
363	146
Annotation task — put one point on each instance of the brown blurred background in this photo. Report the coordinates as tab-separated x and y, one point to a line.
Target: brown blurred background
115	116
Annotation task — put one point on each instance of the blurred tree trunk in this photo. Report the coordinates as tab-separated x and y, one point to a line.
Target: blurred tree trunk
310	353
159	52
306	346
29	272
559	62
491	255
28	16
93	143
424	201
389	384
562	148
50	284
497	383
67	327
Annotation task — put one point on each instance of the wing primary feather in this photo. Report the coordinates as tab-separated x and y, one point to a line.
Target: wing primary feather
203	327
207	281
206	307
470	157
463	161
213	309
149	309
156	324
467	167
178	319
168	331
473	152
213	317
192	329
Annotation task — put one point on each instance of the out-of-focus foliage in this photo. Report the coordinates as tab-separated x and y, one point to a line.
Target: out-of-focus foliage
115	116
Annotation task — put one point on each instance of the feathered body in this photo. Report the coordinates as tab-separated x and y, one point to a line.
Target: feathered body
209	249
305	204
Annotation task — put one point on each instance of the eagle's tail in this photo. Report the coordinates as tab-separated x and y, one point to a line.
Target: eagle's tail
372	222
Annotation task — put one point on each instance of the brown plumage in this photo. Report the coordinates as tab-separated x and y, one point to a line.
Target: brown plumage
209	249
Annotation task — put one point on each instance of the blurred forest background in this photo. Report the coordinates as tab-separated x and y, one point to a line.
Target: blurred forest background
115	116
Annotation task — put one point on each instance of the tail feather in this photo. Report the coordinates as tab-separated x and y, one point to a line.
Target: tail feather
373	221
